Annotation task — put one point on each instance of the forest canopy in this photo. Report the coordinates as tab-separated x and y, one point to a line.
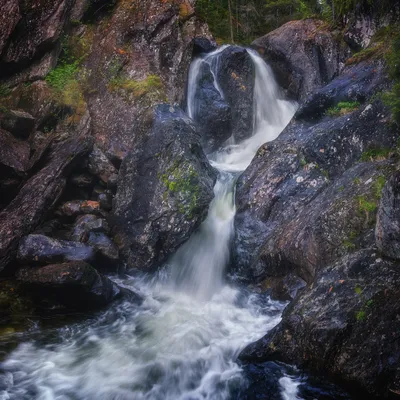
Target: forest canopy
241	21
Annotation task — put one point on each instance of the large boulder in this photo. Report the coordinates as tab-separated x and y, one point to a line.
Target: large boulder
388	222
75	285
304	55
236	77
296	182
211	112
336	326
164	190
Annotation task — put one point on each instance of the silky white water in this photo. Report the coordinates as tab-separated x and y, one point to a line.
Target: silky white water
183	341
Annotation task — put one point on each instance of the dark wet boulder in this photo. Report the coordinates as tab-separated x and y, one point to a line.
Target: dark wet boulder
336	326
357	83
164	189
308	180
76	285
100	166
387	230
106	250
308	222
211	113
304	55
105	200
40	249
86	224
39	194
19	123
203	45
236	75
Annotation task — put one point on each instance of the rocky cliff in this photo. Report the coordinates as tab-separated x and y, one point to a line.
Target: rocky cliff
317	215
79	85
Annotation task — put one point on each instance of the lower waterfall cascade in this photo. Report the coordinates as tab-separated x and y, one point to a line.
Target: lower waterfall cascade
182	343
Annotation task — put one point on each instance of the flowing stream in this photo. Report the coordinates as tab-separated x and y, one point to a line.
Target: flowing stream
182	343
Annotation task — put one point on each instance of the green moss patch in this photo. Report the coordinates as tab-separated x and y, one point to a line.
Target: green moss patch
181	181
151	87
343	108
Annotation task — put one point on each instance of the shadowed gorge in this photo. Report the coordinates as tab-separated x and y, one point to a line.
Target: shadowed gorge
199	200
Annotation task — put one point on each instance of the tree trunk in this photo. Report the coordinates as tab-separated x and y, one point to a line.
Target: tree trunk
230	21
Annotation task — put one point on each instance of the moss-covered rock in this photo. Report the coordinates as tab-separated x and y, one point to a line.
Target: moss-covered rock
164	190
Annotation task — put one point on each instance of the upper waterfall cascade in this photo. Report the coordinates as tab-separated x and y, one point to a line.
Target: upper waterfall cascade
183	341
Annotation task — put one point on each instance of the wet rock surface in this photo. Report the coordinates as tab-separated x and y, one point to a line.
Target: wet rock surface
86	224
304	56
19	123
236	76
316	224
315	165
213	115
100	166
39	249
346	324
76	285
387	230
163	191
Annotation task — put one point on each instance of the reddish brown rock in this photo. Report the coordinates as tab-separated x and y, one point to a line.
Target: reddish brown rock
78	207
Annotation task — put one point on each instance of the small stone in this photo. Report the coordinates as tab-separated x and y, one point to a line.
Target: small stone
100	166
86	224
78	207
19	123
82	180
40	249
104	246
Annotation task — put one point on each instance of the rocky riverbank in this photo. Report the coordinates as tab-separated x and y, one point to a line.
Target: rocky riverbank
103	171
316	220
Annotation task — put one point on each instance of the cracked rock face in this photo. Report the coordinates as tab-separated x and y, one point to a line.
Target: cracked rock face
297	202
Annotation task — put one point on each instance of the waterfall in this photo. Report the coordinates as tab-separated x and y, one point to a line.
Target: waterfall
198	266
183	341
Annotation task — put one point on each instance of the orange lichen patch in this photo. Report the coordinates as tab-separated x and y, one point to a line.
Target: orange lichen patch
91	204
234	76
